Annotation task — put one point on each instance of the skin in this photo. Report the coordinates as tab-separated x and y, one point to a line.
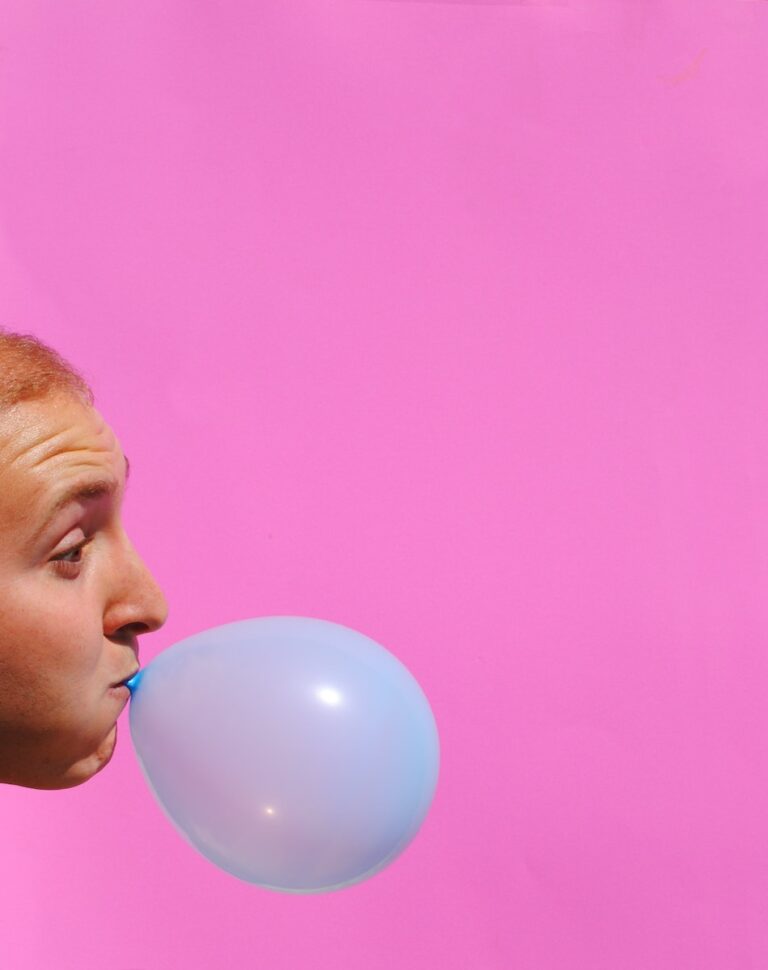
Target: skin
69	619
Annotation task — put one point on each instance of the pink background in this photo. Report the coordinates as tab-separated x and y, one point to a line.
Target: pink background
447	322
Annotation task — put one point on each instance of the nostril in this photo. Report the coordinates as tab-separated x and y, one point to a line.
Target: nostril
130	631
127	636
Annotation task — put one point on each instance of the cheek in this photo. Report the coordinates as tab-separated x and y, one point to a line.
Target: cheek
52	633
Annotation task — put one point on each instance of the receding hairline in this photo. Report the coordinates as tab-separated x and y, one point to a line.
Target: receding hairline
32	370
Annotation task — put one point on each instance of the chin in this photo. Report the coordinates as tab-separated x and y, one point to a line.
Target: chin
97	761
48	772
83	770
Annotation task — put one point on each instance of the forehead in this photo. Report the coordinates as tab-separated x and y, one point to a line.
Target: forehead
53	442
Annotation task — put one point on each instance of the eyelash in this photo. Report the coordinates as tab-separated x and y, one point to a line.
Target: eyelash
64	567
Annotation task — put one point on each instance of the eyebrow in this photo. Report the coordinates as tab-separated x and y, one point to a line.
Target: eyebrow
82	492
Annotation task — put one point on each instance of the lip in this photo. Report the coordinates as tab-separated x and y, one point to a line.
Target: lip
121	683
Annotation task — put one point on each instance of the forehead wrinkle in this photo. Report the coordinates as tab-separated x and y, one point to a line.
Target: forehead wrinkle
73	443
53	446
45	454
76	481
84	474
71	468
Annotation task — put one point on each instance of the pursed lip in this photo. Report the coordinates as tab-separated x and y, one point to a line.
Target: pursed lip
121	683
131	643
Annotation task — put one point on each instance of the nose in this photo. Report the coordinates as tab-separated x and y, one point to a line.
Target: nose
136	603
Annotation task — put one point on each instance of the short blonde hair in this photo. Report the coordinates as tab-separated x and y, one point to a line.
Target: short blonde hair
30	370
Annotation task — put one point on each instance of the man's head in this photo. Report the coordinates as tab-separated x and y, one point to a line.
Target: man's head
74	594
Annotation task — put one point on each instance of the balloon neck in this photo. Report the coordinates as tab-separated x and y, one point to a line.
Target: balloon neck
133	683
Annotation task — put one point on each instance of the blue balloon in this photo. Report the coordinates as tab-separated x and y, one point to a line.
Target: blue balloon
294	753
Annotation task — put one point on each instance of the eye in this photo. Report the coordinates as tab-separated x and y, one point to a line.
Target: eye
76	551
68	563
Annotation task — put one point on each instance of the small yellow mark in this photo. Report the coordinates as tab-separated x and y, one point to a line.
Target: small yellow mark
688	72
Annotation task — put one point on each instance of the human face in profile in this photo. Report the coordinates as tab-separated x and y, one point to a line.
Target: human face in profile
74	593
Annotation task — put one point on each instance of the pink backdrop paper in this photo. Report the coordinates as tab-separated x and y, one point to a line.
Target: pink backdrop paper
446	322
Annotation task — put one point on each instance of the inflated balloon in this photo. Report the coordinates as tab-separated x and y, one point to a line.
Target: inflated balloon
294	753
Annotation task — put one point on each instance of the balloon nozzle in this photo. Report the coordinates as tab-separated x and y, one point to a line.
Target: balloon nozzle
133	683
